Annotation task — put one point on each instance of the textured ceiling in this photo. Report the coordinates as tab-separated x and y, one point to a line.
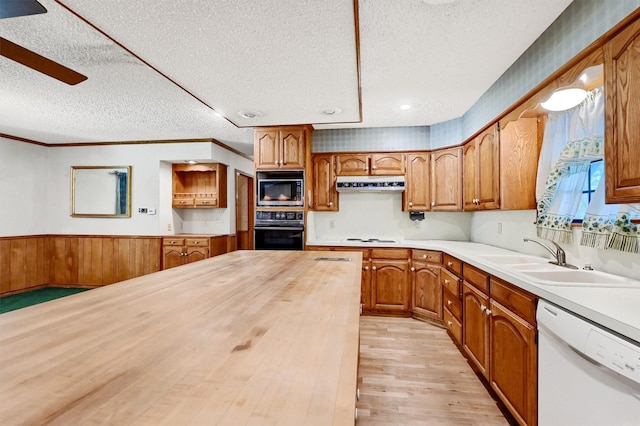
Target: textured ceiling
287	60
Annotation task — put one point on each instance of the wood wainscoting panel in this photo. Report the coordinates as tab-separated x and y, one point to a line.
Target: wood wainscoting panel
91	261
24	263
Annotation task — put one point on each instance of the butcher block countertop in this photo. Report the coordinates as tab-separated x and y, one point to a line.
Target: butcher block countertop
249	337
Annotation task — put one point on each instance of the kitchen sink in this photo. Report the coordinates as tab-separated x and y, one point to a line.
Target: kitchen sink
567	277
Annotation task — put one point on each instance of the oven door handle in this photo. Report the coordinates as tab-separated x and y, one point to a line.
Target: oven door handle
278	228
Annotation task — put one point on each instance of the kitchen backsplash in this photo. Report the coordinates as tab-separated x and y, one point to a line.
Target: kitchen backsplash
380	215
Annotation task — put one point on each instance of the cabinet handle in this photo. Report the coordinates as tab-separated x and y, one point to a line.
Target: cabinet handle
433	203
358	394
366	268
410	204
424	256
330	204
449	323
413	269
374	268
196	242
446	281
488	311
482	307
374	167
449	263
449	302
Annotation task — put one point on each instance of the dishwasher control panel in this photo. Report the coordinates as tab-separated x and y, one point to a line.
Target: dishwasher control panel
614	353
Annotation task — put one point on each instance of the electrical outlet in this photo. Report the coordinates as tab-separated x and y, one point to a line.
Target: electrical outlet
332	224
499	228
168	227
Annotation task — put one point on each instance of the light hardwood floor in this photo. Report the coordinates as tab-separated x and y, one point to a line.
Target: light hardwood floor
411	373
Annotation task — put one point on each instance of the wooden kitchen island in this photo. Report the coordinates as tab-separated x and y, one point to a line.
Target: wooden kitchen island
249	337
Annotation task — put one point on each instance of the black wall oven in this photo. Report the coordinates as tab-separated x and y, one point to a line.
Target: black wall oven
279	230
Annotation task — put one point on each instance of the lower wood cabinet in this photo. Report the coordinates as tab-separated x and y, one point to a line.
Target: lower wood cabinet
390	284
178	250
425	284
476	327
498	336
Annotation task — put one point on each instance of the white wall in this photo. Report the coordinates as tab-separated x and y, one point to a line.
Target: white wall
380	215
518	224
23	188
36	183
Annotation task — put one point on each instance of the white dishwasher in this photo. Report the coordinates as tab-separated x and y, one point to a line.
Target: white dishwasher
587	375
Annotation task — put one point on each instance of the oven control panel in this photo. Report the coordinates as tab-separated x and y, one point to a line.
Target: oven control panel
279	218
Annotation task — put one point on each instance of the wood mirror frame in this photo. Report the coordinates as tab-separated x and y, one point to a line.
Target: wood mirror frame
101	191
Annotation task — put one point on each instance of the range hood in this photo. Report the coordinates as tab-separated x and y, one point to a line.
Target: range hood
370	184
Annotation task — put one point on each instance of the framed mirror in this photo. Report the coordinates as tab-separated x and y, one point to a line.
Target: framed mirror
101	191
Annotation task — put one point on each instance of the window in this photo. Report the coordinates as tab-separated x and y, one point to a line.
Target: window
594	176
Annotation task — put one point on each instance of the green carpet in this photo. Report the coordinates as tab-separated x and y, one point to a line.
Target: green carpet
33	297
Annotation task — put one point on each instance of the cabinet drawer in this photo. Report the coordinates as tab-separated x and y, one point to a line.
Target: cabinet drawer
173	241
453	304
184	202
427	256
197	242
389	253
454	326
453	264
519	301
206	202
477	277
450	282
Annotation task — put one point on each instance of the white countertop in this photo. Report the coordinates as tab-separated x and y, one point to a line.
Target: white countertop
615	308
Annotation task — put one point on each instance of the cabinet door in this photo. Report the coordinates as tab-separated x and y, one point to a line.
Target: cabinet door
292	150
488	179
390	285
171	257
352	165
194	254
622	116
519	153
514	364
266	151
365	286
427	292
325	196
416	196
388	164
470	176
446	180
475	328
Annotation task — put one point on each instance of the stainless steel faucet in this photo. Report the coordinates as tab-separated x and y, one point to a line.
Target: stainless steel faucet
558	253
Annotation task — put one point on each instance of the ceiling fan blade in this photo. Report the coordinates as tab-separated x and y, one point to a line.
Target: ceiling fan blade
39	63
13	8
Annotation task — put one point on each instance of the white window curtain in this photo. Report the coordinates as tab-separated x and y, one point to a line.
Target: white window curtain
572	140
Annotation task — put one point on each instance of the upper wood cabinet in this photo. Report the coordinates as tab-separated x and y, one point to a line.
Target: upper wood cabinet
199	185
416	195
622	116
376	164
446	179
481	171
520	143
324	195
280	147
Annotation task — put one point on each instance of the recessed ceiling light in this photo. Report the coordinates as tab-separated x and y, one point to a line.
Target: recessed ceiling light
330	110
405	107
191	162
564	99
249	113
